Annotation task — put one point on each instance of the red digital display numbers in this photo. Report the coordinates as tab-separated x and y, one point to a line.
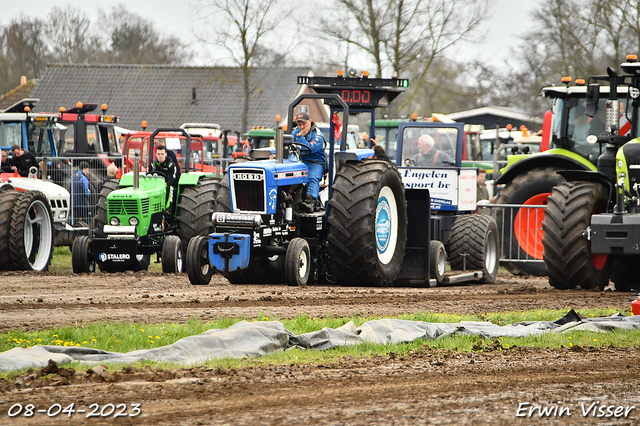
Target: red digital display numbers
356	96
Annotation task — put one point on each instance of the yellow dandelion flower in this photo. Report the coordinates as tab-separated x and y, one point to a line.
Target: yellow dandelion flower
150	341
78	344
55	335
570	337
142	329
38	340
595	340
85	342
150	337
117	341
157	337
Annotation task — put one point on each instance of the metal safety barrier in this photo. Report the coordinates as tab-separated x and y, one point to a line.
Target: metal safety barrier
520	228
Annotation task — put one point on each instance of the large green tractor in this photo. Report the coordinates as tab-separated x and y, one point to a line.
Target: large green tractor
528	180
133	220
592	221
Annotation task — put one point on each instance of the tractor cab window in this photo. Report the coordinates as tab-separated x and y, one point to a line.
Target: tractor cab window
10	133
93	145
429	147
41	138
387	138
109	140
66	138
579	125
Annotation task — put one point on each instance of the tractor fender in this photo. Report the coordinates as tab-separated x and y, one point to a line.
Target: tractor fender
588	176
559	158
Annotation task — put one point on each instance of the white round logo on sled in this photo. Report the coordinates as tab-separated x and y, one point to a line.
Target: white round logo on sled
383	224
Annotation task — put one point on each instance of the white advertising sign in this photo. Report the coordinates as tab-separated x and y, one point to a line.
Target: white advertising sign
441	183
468	190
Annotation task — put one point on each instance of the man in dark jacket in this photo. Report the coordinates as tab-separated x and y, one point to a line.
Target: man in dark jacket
81	194
164	164
314	158
22	161
5	164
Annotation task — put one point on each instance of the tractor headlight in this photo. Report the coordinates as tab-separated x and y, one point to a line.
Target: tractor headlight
133	221
114	221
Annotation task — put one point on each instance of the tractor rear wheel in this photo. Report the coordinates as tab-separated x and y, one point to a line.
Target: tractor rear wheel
297	263
521	229
437	261
195	207
475	236
198	267
82	255
172	255
31	235
567	252
367	224
8	199
100	219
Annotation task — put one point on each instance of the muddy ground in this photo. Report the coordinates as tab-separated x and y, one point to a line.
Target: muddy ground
425	387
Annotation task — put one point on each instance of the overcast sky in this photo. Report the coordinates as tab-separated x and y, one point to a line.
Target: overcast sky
509	19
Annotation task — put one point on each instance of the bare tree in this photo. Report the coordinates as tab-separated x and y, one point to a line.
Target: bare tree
365	27
68	34
134	40
23	51
241	26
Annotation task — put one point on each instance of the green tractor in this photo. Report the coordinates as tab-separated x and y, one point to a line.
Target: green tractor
132	220
592	220
529	180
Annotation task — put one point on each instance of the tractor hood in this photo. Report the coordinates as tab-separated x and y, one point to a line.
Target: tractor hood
254	184
58	196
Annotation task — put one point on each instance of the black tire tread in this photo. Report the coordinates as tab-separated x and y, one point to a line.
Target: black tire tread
352	250
100	218
567	254
8	199
469	235
19	258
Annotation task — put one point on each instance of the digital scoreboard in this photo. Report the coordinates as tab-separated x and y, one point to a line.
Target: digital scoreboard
357	91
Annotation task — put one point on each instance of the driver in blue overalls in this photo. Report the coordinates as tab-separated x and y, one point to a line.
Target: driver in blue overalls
308	135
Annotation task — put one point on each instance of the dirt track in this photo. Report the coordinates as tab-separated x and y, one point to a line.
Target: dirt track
426	387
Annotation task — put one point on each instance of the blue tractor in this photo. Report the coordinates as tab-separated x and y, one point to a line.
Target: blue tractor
360	237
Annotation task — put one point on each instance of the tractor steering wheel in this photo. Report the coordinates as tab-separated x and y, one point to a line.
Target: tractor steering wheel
159	173
409	162
304	149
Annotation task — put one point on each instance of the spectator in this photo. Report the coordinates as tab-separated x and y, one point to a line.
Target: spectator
379	151
112	172
22	161
4	163
81	194
56	174
483	192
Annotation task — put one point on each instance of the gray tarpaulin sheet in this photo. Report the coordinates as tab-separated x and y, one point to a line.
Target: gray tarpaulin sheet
254	339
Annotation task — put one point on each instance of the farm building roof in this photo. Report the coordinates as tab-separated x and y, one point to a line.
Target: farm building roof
167	96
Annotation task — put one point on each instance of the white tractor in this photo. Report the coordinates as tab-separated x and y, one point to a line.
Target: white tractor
33	213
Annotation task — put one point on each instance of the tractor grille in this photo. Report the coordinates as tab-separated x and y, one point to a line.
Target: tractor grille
145	206
248	187
124	207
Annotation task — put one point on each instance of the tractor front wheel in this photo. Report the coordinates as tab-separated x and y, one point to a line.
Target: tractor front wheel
172	255
474	245
198	267
567	252
82	255
297	263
